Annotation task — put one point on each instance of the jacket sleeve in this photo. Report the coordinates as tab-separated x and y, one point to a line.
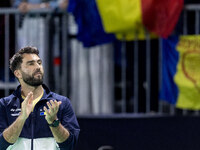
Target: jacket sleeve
69	121
3	125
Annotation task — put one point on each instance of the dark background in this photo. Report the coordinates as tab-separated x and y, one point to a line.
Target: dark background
139	133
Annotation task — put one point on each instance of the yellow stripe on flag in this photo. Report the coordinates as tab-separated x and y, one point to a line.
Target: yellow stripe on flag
187	77
122	17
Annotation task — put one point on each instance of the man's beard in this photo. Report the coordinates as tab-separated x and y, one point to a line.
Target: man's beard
31	80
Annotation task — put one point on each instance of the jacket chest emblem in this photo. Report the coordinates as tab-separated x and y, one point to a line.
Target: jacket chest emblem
42	112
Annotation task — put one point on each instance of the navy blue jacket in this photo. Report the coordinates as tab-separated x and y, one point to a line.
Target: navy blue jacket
36	125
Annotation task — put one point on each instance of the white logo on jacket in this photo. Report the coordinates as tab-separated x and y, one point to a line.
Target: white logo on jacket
15	112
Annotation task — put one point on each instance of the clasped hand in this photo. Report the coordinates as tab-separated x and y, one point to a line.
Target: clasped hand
51	113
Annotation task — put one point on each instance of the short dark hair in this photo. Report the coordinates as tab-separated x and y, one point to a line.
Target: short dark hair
16	60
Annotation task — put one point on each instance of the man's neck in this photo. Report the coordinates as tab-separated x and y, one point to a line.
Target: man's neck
37	90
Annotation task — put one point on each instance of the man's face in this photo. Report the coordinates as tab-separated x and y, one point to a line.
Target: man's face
32	70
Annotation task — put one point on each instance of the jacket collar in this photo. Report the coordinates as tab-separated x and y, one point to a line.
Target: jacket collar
47	92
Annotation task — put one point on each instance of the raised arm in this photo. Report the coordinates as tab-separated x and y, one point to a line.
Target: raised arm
66	133
59	132
11	134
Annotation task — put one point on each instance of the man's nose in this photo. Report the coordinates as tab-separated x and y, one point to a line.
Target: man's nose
38	65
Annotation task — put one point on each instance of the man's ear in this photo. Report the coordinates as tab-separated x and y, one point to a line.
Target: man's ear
17	74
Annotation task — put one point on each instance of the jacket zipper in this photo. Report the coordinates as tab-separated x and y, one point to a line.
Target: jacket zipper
32	129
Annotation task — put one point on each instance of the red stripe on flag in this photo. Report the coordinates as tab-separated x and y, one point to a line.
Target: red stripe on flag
161	16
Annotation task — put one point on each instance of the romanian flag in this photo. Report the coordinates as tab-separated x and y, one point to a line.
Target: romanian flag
90	28
181	72
127	18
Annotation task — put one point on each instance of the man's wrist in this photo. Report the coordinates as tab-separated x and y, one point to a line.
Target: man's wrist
55	123
50	121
